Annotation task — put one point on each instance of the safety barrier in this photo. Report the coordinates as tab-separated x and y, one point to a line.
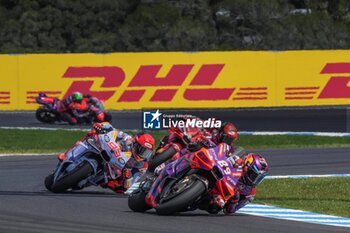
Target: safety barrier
179	79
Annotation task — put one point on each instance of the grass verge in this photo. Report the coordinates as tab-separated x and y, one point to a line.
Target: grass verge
322	195
46	141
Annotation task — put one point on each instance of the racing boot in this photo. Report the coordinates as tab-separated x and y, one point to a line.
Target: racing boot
213	204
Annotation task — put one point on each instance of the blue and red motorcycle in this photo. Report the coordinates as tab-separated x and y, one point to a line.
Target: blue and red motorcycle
185	183
93	161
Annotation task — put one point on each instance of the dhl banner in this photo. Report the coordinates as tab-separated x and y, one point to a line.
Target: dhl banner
179	79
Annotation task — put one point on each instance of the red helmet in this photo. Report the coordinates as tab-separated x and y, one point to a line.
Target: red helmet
255	169
142	147
227	133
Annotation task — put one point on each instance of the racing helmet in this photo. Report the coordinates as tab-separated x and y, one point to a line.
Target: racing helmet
77	97
227	133
255	169
142	147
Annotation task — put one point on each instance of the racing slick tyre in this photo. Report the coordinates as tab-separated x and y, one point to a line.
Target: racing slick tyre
72	178
157	160
181	195
45	116
136	201
48	181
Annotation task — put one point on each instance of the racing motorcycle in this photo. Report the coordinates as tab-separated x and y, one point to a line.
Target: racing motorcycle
48	113
184	184
92	161
177	135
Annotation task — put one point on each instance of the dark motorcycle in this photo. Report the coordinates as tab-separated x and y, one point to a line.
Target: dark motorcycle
47	113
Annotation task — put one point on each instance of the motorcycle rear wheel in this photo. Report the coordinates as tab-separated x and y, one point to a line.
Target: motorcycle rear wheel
44	115
72	178
181	200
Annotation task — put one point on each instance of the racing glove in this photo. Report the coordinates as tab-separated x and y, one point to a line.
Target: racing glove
98	127
102	128
236	202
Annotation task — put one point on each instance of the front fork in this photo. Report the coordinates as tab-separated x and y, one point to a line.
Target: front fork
171	173
68	165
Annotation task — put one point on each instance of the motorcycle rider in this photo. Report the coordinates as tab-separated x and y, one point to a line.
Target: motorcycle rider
227	133
140	148
254	169
71	107
171	147
96	107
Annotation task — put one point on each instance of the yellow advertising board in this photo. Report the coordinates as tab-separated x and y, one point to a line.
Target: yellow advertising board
179	79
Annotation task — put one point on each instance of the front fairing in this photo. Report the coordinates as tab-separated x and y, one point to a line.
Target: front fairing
75	156
230	173
116	158
168	176
104	146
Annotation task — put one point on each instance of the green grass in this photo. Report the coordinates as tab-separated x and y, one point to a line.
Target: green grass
322	195
37	141
290	141
45	141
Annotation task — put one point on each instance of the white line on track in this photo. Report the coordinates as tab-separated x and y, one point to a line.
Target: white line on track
307	176
328	134
28	154
294	215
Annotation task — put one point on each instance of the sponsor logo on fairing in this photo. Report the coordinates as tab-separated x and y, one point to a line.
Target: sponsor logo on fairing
121	161
106	138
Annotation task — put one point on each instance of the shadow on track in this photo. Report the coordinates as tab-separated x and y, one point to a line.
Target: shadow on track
186	214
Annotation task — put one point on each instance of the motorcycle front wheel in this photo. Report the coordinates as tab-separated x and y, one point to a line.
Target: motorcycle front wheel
137	202
49	181
181	195
72	178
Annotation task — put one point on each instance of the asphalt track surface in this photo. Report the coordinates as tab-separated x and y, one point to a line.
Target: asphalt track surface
26	206
281	119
